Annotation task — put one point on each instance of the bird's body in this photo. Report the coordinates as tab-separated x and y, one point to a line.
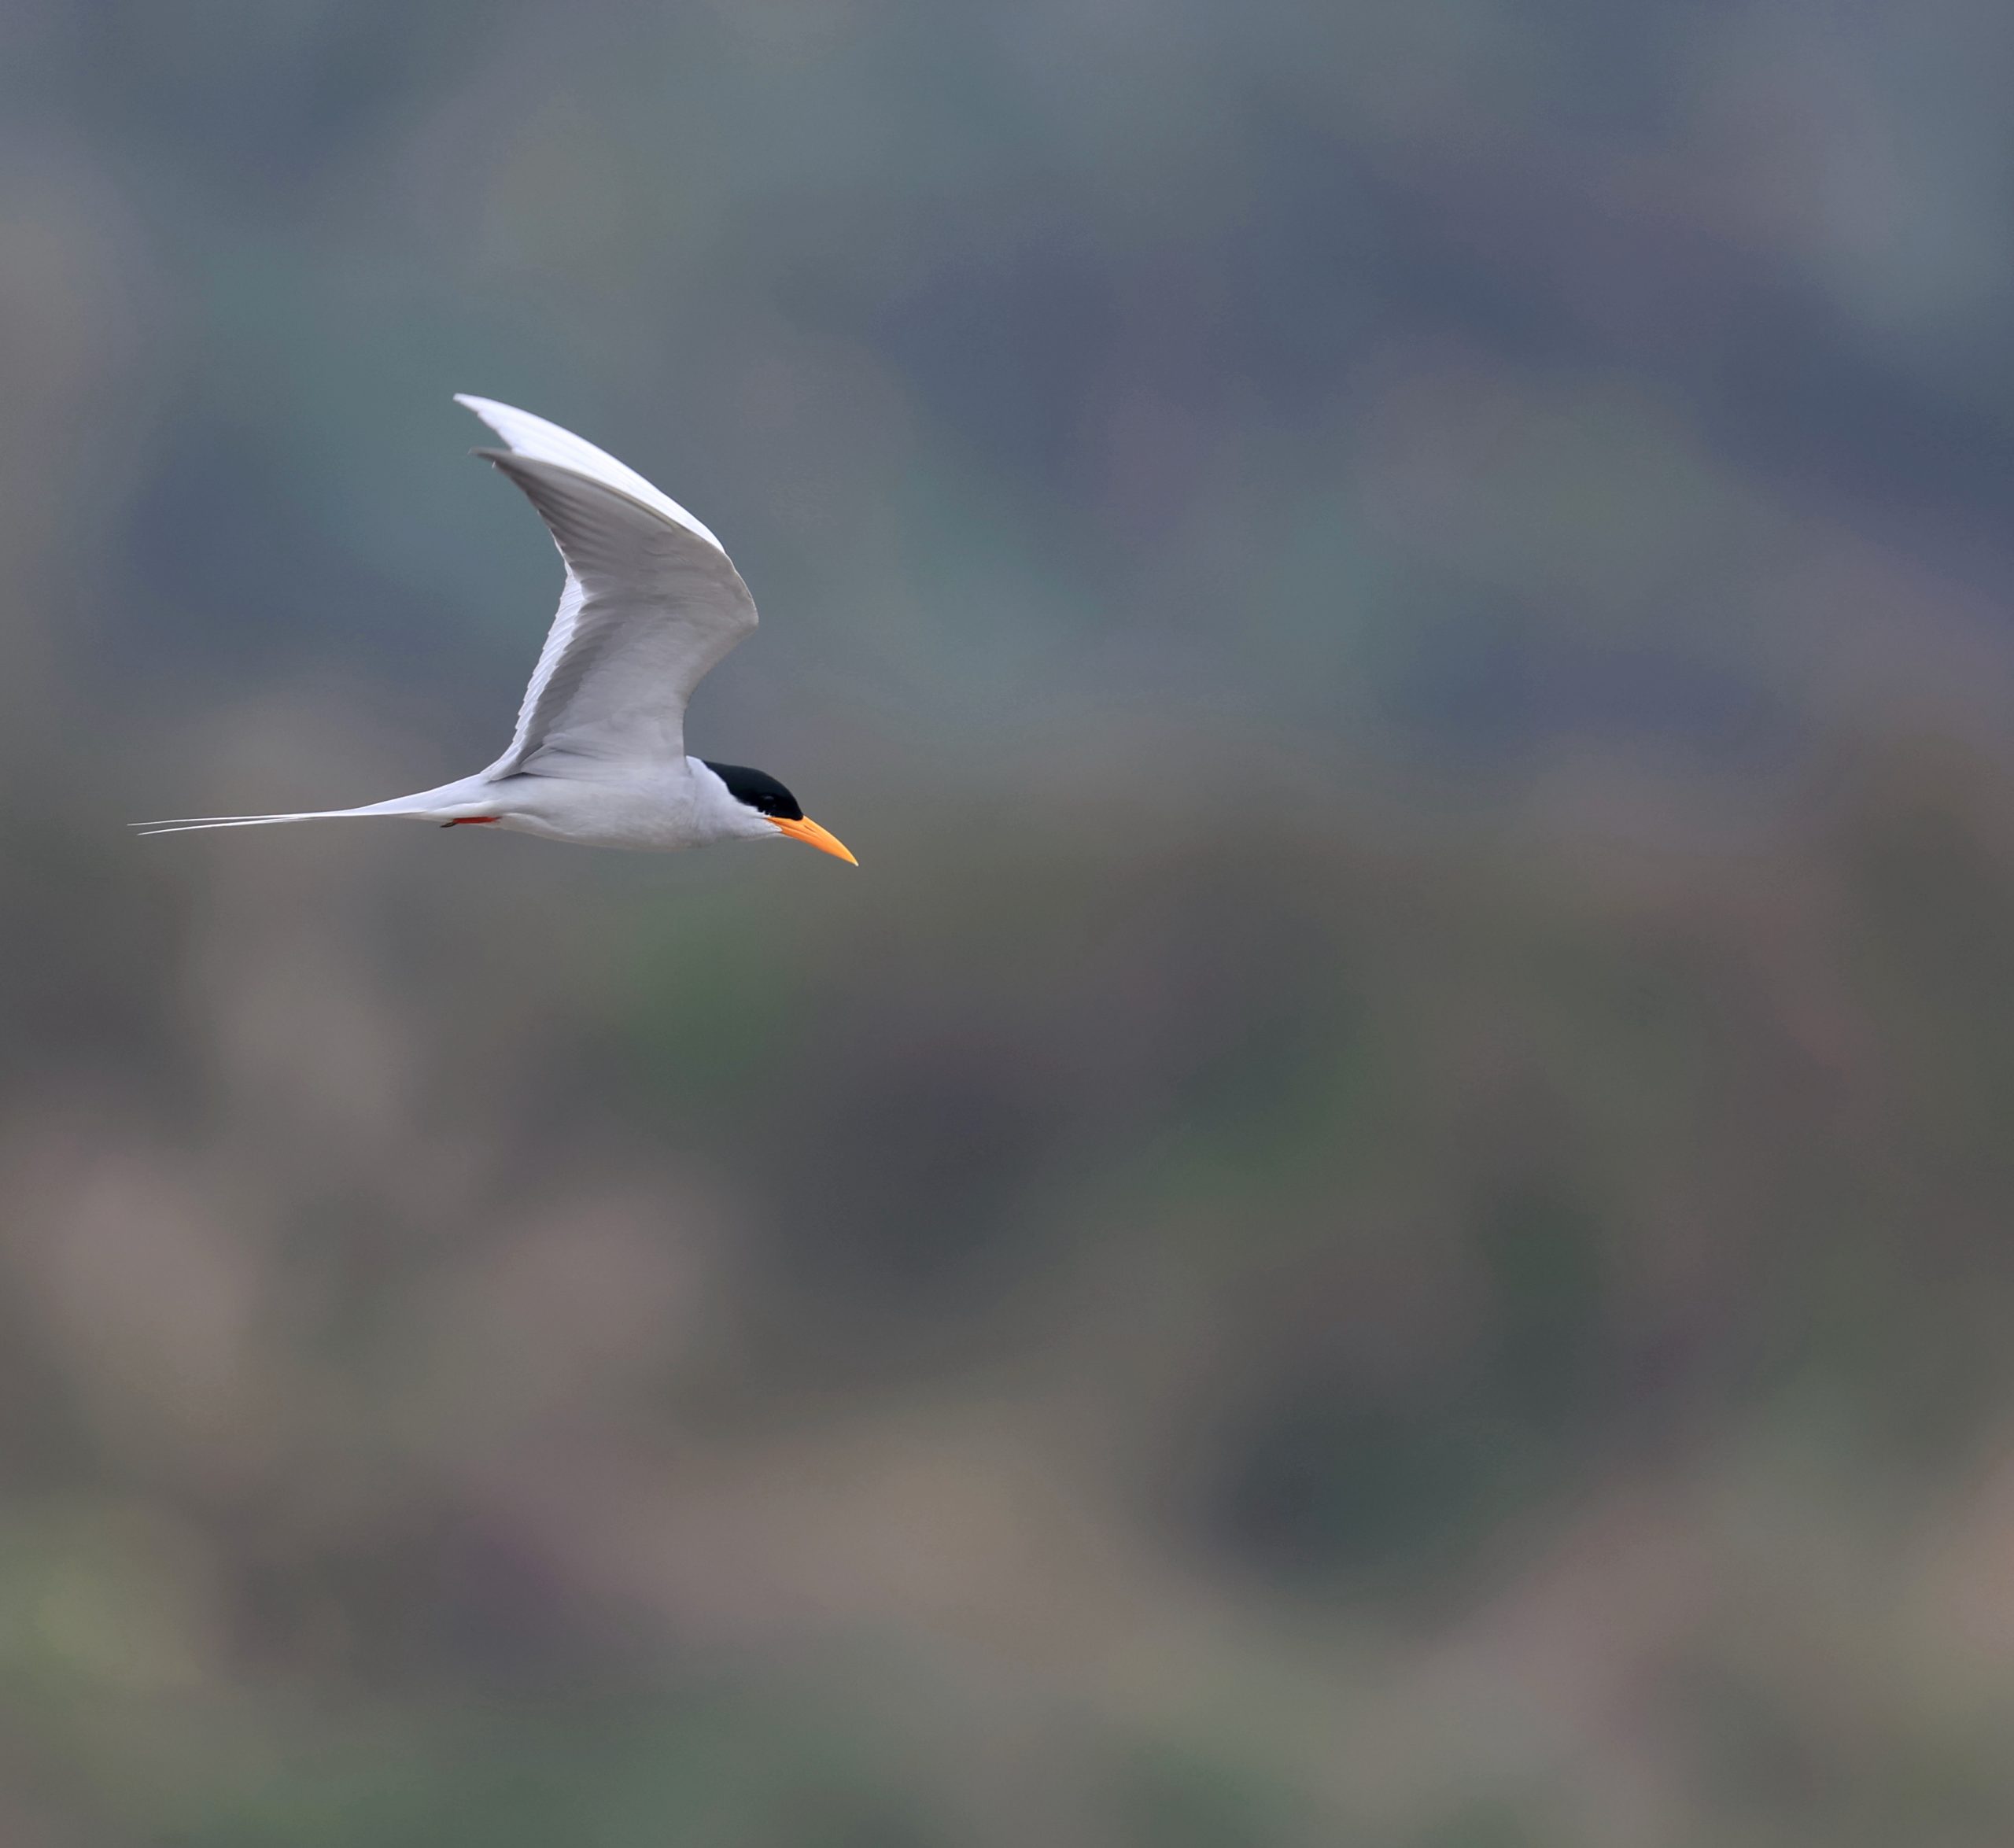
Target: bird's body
651	602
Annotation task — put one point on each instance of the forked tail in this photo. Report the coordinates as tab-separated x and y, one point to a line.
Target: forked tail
451	802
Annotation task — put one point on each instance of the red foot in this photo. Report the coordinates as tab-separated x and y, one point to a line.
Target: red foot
472	821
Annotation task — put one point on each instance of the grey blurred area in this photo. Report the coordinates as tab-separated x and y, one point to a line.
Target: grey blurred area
1382	1215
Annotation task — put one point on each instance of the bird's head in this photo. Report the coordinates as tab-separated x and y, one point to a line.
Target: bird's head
765	805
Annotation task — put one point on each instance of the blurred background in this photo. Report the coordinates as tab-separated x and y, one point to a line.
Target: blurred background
1381	1216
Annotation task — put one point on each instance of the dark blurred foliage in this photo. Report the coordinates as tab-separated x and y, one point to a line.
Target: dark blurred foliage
1380	1216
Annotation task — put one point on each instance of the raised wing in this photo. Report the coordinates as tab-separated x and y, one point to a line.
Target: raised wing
651	602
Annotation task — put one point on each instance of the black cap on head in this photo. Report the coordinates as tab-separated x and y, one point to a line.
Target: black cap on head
758	789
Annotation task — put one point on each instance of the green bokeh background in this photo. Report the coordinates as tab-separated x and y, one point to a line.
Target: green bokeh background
1381	1217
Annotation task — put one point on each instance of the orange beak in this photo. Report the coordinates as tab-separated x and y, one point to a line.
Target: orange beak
808	830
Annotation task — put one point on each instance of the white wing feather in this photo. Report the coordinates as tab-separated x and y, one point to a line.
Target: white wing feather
547	442
650	603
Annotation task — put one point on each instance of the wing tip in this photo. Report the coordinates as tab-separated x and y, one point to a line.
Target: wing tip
492	412
533	439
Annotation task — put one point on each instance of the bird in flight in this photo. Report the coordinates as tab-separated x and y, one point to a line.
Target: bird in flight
650	603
